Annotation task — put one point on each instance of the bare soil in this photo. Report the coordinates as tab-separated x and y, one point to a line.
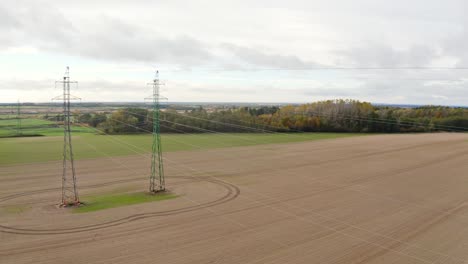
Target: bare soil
375	199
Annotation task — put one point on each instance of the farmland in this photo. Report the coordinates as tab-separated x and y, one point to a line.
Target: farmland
368	199
234	132
35	127
88	144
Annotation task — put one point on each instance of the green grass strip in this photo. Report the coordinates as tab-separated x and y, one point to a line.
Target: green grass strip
102	202
40	149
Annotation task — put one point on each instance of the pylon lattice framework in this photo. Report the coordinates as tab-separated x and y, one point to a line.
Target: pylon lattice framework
18	119
69	189
157	182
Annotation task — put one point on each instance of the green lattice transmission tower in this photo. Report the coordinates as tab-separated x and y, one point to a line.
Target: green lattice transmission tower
157	182
69	189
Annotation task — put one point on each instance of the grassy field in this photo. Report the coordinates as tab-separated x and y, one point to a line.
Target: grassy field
87	145
35	127
101	202
27	122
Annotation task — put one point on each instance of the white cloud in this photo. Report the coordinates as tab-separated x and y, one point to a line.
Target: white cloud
435	96
125	40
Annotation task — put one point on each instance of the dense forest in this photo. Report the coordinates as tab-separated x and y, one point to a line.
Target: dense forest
324	116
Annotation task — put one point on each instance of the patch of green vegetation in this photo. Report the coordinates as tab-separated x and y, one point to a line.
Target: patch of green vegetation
58	131
101	202
36	127
16	209
26	122
88	145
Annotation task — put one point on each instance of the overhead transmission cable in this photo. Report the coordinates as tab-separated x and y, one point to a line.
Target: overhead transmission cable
315	113
254	200
331	218
318	113
183	197
318	68
122	142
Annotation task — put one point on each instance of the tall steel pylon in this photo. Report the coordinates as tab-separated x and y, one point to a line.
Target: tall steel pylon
157	182
69	190
18	119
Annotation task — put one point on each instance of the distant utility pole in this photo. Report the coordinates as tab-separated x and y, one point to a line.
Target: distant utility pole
18	119
69	190
157	182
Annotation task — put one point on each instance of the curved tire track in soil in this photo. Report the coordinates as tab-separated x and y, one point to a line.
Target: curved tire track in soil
16	195
232	193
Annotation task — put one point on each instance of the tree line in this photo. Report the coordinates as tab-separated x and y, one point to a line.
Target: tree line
323	116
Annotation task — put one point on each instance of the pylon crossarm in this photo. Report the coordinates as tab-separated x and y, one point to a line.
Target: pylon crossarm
157	182
69	187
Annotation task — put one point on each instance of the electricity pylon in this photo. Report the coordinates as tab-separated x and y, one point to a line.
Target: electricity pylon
18	119
157	182
69	190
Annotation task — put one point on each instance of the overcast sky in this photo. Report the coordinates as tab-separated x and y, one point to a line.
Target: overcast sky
236	51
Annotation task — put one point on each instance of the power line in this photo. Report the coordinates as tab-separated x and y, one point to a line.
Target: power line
365	119
351	68
204	130
379	120
386	121
218	122
18	119
335	220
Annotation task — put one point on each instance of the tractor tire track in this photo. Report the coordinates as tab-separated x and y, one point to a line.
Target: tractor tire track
232	193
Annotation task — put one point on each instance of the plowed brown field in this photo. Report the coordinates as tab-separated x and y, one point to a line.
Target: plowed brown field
375	199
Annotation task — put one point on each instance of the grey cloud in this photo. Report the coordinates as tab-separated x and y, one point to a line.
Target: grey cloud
331	91
28	85
426	92
94	90
35	24
456	90
7	25
259	58
219	90
103	86
86	86
388	89
116	40
46	28
113	39
456	46
108	31
379	55
7	19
